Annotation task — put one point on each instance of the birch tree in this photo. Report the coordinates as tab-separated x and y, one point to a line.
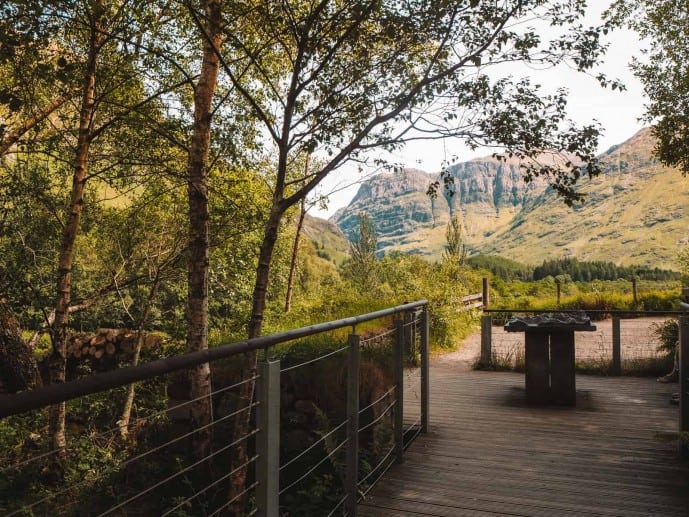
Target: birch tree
338	79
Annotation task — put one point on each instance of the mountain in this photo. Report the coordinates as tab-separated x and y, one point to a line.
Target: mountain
405	218
327	238
636	212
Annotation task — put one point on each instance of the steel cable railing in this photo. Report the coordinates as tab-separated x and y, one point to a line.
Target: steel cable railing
374	469
235	498
179	473
139	421
379	399
313	446
378	418
312	469
132	460
315	360
180	484
211	485
623	341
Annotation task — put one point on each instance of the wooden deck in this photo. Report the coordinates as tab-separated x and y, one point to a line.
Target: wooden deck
487	453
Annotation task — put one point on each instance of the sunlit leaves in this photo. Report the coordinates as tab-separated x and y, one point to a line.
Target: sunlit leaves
663	70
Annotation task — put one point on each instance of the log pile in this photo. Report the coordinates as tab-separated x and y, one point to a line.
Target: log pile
109	348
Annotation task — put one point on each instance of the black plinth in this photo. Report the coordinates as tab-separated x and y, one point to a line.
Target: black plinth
549	356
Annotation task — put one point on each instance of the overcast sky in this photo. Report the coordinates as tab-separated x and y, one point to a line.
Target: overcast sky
618	113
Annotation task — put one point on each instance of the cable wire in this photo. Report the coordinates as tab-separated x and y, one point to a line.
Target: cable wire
223	478
337	506
313	445
377	400
314	467
314	360
228	503
377	419
103	434
178	473
390	451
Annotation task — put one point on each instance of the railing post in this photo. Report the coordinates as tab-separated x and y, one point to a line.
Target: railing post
684	386
268	439
616	346
352	462
486	293
425	371
409	351
486	340
399	390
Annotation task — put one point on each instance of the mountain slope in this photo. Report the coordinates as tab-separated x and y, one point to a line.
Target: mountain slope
327	238
635	213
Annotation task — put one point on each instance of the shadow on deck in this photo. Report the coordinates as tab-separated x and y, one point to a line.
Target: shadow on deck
487	453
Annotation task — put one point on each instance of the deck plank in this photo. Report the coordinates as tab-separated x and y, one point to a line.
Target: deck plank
489	454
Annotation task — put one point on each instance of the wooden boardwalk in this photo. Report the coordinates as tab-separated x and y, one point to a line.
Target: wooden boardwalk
487	453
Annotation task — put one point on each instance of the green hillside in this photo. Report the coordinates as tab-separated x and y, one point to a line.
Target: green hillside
636	213
327	238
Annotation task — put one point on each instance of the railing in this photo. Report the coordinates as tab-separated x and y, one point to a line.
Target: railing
342	456
625	341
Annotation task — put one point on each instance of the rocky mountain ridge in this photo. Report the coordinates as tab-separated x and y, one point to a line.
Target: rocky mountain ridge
635	212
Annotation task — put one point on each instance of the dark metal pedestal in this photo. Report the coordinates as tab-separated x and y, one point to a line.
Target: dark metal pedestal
549	359
550	367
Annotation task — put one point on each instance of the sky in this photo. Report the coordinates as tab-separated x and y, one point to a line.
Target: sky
618	113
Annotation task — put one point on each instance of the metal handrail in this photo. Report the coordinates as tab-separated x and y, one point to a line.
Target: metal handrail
56	393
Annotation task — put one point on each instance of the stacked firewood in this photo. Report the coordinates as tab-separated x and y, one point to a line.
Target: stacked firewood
118	344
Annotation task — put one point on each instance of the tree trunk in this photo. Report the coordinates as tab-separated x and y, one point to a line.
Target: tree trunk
18	369
123	422
199	240
246	391
58	358
295	255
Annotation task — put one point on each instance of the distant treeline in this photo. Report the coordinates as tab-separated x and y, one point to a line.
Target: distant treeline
574	269
502	267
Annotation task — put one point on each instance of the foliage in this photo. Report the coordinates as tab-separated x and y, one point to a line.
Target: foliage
455	252
683	262
332	79
587	271
362	267
598	295
668	334
570	268
662	70
504	268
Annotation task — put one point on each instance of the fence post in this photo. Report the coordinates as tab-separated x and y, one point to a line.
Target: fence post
352	462
425	371
486	340
268	439
684	386
616	346
399	389
486	293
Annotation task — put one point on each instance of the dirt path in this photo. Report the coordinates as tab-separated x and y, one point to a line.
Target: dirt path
464	357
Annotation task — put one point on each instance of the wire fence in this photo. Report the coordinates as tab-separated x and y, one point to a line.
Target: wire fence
162	461
646	344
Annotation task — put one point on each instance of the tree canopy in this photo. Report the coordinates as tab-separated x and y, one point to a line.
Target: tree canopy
662	70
